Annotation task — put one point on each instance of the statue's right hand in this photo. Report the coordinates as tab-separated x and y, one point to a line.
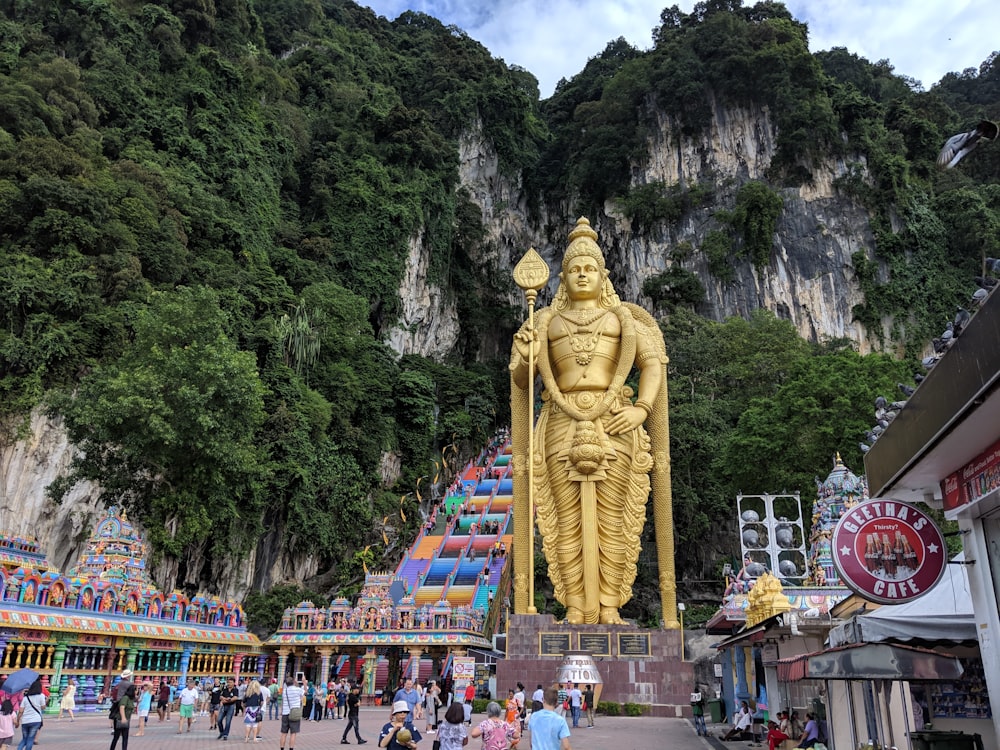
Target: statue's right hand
525	341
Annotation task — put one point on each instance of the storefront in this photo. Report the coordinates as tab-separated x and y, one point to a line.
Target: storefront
943	448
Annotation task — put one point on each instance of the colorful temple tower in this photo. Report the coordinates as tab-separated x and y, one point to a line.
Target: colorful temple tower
838	493
106	615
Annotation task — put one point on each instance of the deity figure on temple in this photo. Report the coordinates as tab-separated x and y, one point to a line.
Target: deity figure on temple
593	455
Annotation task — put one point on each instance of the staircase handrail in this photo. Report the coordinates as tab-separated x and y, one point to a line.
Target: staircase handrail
493	615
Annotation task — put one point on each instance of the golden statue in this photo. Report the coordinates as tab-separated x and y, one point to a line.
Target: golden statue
592	452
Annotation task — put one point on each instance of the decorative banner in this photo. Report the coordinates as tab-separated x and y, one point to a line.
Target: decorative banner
888	552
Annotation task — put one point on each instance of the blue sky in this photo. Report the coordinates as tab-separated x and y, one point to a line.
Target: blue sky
923	39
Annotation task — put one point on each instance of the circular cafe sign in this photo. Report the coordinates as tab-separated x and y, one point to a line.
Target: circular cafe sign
887	551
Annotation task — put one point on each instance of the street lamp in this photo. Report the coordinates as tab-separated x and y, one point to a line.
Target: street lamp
681	606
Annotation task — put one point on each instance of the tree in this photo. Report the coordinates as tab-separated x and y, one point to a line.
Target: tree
169	429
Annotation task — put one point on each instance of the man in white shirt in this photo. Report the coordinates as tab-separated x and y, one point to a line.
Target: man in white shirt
291	698
537	699
188	697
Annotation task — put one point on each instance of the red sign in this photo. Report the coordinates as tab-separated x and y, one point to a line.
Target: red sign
973	481
888	552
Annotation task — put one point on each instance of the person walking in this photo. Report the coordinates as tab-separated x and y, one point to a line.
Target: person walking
548	729
408	694
291	712
68	701
143	707
495	732
588	705
29	715
353	716
163	700
6	723
274	705
230	696
253	711
452	734
698	712
188	698
214	703
319	702
431	703
126	705
343	700
575	702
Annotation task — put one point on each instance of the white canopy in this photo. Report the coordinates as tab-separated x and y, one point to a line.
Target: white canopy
944	613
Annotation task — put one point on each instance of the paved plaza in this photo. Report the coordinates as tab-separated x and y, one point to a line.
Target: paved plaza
91	732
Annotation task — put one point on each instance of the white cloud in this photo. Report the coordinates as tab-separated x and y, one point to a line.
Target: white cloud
923	39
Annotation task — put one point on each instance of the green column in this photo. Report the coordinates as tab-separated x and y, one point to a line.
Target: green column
55	686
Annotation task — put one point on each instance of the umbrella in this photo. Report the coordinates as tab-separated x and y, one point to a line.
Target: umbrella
19	680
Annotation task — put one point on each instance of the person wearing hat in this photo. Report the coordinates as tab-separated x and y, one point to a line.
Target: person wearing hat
394	734
122	686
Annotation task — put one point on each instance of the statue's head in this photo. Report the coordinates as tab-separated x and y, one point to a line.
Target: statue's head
583	246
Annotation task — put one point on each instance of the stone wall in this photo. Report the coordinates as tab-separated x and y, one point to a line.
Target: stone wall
660	681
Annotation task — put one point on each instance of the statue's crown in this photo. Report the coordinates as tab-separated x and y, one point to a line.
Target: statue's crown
583	241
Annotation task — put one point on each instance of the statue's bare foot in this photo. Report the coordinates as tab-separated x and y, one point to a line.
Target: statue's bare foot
610	616
574	616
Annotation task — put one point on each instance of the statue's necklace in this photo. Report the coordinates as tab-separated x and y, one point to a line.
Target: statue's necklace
582	341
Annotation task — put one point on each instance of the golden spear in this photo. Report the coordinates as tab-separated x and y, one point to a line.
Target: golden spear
531	274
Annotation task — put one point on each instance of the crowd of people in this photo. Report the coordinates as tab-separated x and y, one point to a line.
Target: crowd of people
446	713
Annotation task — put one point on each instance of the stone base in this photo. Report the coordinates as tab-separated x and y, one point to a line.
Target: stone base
660	681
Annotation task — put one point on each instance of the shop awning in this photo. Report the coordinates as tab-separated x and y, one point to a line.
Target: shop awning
870	661
944	613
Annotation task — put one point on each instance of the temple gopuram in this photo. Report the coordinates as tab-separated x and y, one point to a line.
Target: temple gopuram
106	615
821	588
768	619
445	598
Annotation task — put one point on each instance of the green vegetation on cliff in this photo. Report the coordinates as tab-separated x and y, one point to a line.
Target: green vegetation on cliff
206	211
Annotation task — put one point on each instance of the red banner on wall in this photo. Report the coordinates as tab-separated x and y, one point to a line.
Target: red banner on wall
973	481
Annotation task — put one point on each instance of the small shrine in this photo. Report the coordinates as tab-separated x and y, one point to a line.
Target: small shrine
369	636
106	615
837	494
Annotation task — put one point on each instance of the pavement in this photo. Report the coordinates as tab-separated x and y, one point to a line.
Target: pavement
92	732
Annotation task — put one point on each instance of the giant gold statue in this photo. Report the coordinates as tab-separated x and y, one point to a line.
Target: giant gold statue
594	447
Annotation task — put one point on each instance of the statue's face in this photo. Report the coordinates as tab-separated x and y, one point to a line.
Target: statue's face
583	278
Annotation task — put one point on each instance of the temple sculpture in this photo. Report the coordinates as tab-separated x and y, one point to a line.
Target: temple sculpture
594	446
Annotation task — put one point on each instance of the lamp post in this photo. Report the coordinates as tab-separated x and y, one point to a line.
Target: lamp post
681	606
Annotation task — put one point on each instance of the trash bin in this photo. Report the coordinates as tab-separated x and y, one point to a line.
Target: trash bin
715	710
942	740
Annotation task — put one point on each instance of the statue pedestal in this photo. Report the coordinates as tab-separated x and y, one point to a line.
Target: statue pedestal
637	665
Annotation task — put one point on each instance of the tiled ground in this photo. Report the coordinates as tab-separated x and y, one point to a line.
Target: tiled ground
91	732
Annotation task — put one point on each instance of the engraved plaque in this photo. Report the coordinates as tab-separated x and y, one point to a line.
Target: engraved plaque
595	644
553	644
633	644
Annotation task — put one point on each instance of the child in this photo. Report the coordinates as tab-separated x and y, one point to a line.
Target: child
7	724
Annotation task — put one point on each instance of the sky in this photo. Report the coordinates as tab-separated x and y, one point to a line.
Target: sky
553	39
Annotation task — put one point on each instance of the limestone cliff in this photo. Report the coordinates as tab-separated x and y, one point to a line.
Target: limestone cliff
809	279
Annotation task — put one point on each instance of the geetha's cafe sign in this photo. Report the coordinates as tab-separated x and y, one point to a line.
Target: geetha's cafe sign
888	552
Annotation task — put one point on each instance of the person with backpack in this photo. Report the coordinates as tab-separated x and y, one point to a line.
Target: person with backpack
698	712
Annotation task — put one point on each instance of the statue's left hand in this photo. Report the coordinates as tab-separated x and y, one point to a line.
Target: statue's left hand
624	419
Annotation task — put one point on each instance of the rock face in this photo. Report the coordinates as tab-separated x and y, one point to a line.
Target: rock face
28	465
808	280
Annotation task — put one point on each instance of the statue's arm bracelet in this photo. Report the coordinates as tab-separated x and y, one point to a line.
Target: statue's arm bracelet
644	405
